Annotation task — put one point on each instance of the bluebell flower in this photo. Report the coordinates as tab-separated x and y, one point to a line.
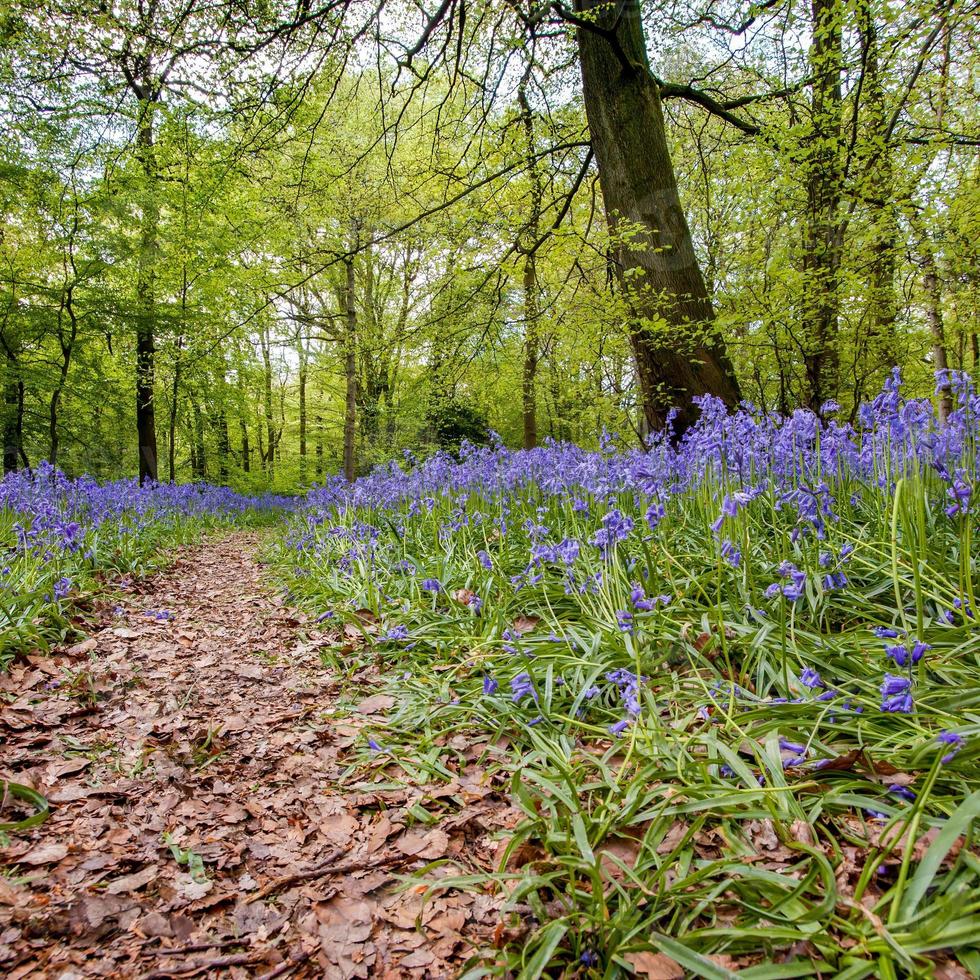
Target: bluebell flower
810	678
655	514
489	684
902	792
886	633
896	694
953	741
522	687
731	554
431	585
959	493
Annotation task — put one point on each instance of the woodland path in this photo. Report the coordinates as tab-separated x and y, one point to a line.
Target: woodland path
198	713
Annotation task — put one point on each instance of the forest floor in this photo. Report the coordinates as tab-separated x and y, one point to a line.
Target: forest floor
204	819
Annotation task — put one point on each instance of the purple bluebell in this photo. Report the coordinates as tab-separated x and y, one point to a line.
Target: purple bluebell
522	687
896	694
951	740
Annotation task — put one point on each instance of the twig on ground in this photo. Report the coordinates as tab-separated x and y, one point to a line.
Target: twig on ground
323	869
297	959
196	966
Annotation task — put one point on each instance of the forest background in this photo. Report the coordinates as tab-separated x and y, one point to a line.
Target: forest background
262	243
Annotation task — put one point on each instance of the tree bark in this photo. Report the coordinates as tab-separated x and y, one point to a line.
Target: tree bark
243	425
934	317
301	351
200	468
11	414
677	352
172	422
531	306
146	290
822	234
319	449
350	374
879	195
67	344
269	455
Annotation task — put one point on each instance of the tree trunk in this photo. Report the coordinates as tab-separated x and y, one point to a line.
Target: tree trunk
350	375
67	345
243	425
824	182
146	294
11	402
934	317
531	309
678	355
270	423
200	459
246	449
301	351
877	194
172	422
319	449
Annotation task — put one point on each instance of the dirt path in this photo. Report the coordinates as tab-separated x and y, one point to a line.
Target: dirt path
192	756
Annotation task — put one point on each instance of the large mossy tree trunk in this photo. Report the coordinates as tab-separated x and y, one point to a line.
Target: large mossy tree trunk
677	351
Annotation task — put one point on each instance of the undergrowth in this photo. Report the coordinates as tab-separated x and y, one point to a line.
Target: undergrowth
733	686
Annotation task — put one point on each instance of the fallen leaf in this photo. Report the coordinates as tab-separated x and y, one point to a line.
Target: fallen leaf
80	649
375	704
133	882
656	966
49	853
9	895
524	624
429	845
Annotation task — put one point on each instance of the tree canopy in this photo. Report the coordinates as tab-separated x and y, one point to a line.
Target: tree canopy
259	243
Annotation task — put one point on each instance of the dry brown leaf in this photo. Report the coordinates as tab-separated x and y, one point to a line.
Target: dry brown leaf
47	853
375	704
524	624
80	649
133	882
655	966
432	844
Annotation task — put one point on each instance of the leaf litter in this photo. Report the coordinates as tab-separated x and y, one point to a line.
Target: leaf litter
201	823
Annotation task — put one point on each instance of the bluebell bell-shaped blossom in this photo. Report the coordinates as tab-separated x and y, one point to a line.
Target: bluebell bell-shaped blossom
896	694
629	688
731	553
887	632
616	527
624	620
953	742
959	494
522	687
